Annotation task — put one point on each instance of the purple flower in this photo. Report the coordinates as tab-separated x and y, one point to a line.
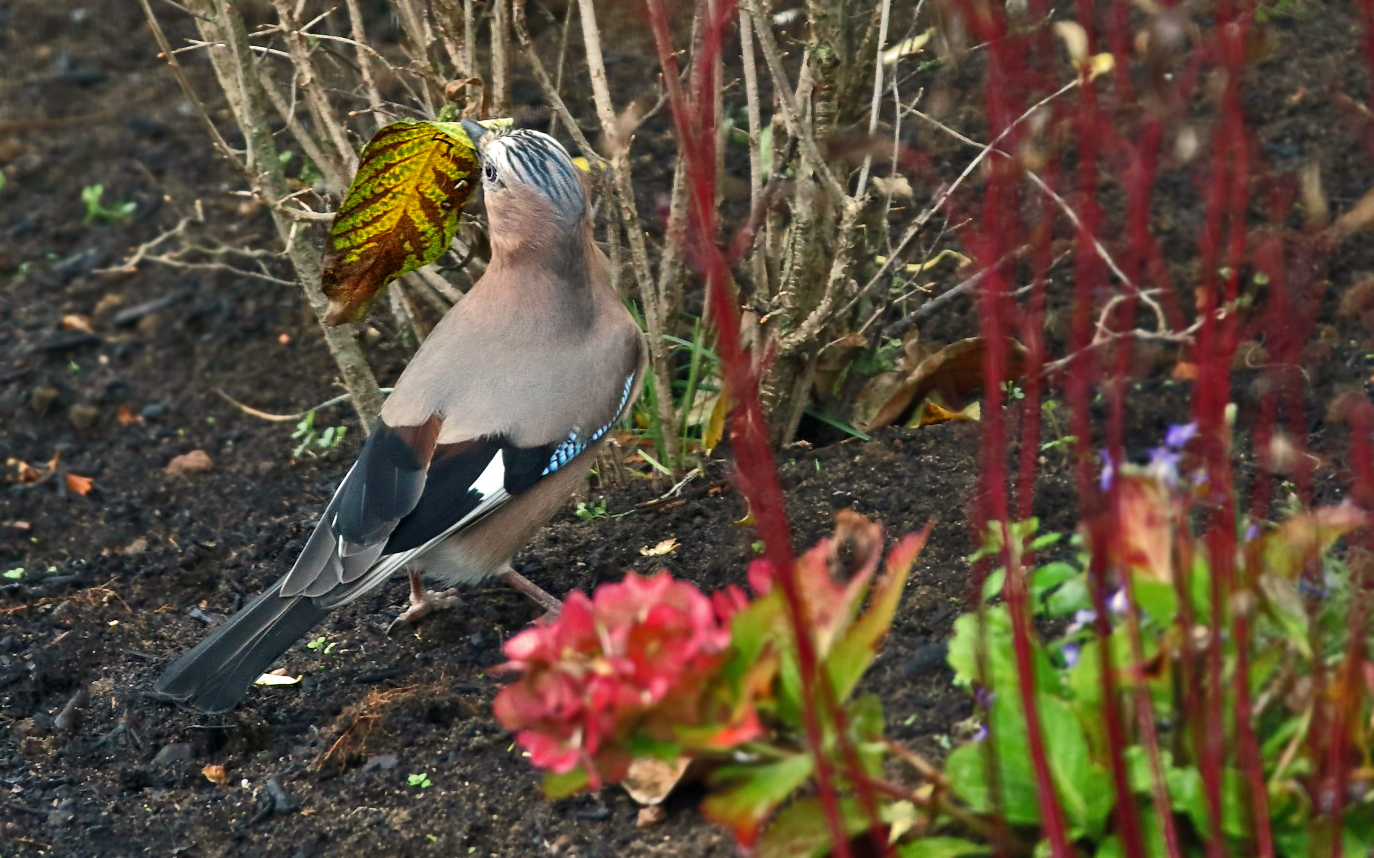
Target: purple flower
1071	653
1081	619
981	733
1118	604
1108	470
1164	464
1251	531
1180	435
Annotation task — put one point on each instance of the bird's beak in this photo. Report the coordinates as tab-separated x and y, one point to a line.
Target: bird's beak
475	132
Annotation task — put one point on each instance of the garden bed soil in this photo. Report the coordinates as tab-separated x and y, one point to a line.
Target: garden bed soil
118	579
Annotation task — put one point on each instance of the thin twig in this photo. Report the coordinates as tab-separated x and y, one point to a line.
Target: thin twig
623	180
186	89
884	13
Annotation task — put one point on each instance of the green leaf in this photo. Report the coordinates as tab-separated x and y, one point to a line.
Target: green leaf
1003	675
1188	794
400	213
756	791
992	585
801	830
1051	575
941	847
563	785
1071	596
1158	599
1082	785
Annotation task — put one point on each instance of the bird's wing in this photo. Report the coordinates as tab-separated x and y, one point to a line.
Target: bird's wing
407	492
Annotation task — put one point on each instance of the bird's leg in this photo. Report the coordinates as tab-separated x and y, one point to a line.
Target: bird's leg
531	589
423	602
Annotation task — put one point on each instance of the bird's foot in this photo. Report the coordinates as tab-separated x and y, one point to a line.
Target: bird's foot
423	603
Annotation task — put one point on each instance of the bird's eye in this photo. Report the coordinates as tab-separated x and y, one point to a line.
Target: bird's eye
489	172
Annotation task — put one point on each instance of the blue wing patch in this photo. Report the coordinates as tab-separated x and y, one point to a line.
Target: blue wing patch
573	445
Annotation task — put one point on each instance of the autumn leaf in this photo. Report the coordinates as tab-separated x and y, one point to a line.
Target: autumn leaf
215	774
936	414
400	213
78	484
125	417
667	546
955	370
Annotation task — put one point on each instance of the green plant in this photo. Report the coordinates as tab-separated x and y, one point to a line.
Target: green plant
97	211
321	645
591	511
316	443
1156	636
420	780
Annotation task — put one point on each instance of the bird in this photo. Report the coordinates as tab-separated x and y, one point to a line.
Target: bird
484	437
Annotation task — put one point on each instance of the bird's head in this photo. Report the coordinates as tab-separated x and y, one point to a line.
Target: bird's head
529	181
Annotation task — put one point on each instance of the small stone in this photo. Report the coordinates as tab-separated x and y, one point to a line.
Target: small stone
42	397
930	657
176	752
193	462
154	410
63	814
385	762
650	816
83	416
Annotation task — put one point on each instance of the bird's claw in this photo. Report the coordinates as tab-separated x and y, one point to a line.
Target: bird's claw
423	604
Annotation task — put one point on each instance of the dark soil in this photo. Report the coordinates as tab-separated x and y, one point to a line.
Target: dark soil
119	579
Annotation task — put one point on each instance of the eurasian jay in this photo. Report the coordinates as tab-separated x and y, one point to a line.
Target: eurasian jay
486	435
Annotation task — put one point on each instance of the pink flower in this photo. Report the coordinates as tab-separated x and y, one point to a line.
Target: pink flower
635	657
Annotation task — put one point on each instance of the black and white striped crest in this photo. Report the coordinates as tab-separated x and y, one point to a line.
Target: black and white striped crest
533	160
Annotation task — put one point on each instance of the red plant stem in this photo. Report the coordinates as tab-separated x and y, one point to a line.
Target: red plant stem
993	298
756	474
1226	196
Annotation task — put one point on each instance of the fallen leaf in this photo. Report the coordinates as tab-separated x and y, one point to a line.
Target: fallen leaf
215	774
955	370
78	484
193	462
936	414
125	417
1184	371
277	679
73	322
667	546
650	779
23	472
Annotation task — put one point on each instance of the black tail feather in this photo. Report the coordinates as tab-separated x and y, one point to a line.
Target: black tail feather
216	673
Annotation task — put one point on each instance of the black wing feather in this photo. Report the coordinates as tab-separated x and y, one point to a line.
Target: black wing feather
383	487
448	494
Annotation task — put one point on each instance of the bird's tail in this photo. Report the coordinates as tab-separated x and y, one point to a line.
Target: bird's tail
214	675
